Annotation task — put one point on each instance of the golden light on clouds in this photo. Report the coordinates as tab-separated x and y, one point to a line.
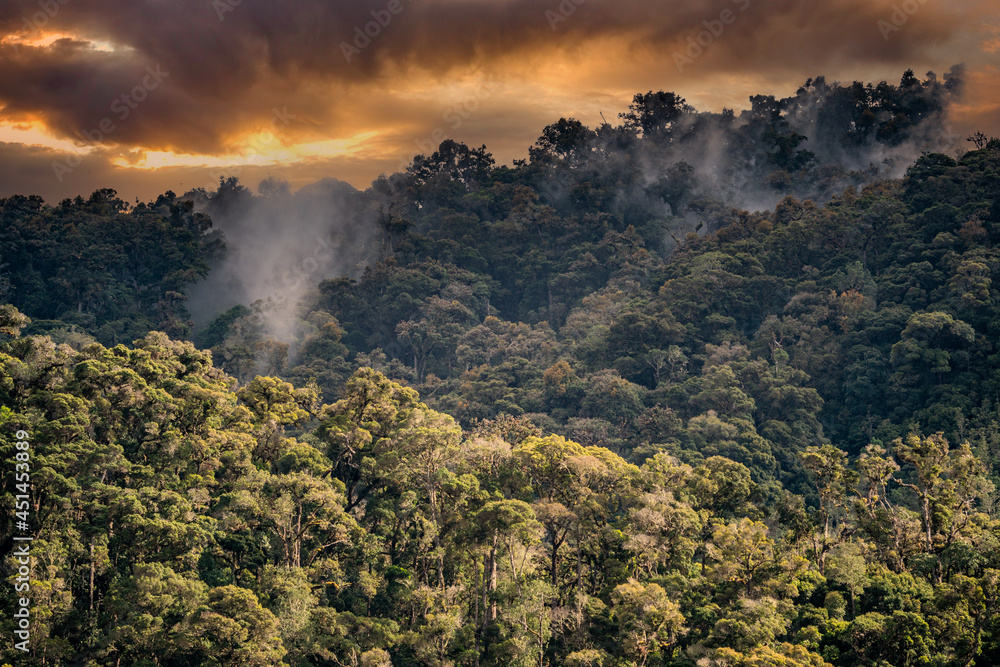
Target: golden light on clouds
261	149
980	109
35	134
478	71
46	40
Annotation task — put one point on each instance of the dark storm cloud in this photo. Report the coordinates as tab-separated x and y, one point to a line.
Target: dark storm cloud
229	62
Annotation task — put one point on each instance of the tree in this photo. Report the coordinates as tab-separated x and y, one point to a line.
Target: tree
928	345
360	427
834	481
742	552
306	514
237	630
948	485
455	161
654	115
567	140
649	622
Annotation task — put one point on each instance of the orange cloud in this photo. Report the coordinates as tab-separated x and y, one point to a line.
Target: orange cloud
180	85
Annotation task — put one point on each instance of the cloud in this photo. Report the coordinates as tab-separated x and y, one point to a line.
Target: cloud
229	63
27	170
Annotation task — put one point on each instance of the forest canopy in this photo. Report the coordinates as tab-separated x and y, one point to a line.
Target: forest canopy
693	389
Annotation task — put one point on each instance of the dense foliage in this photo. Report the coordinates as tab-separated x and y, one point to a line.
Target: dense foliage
580	412
100	267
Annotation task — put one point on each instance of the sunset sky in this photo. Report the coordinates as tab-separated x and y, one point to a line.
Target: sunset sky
149	95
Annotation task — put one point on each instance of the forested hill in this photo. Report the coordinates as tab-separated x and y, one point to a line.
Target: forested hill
584	410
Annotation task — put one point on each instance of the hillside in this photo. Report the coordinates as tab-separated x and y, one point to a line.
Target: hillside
690	390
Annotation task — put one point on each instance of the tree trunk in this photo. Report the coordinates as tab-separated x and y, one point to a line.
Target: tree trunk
437	531
541	643
93	568
579	559
493	582
555	564
478	626
297	544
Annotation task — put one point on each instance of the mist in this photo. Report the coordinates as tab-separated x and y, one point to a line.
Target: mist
665	164
828	137
280	245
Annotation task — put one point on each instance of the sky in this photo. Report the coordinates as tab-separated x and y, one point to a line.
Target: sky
145	96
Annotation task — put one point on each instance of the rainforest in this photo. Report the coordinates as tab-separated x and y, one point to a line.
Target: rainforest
686	388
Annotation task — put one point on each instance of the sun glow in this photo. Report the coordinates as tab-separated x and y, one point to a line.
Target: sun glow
261	149
44	40
36	134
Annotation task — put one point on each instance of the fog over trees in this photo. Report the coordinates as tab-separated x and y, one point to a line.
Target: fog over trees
713	389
